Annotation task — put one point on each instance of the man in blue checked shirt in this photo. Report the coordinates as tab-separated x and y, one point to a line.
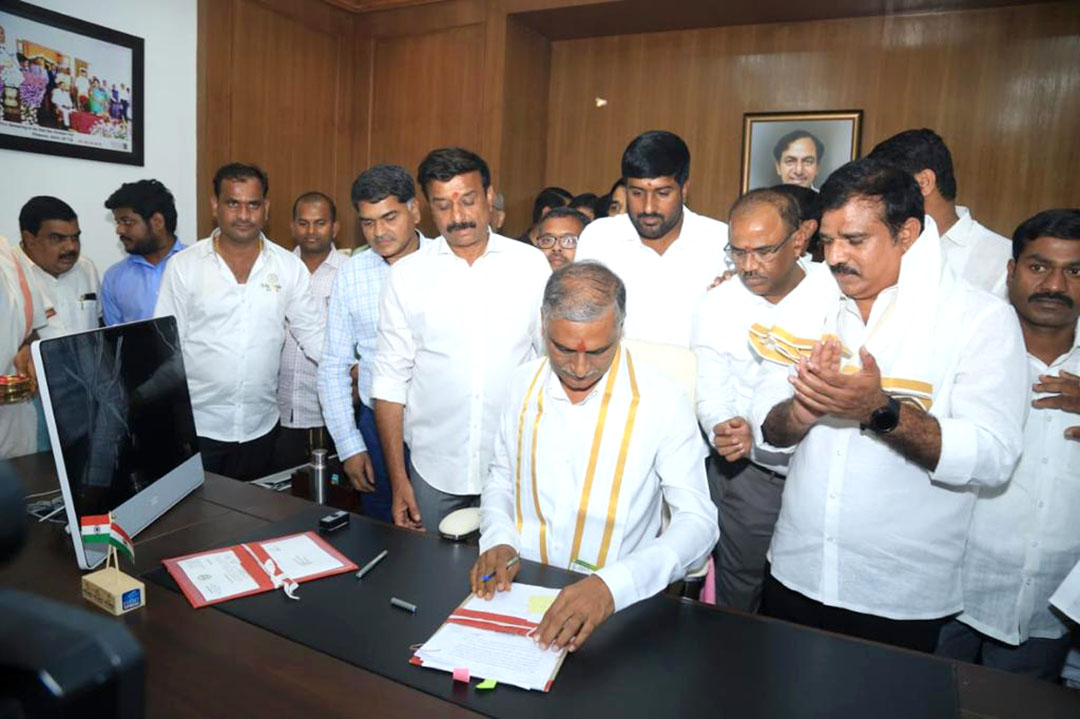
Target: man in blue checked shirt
385	199
145	215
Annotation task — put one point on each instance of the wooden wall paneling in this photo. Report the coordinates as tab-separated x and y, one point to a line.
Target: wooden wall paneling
278	74
998	84
523	132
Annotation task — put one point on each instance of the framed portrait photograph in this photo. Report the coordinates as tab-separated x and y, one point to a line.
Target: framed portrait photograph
69	87
797	148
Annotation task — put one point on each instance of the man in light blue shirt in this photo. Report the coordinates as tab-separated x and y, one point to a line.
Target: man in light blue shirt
385	200
145	215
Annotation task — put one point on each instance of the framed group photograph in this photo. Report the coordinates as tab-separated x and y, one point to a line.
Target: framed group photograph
798	148
69	87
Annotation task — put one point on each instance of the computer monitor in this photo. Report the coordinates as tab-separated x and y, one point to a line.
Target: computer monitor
119	417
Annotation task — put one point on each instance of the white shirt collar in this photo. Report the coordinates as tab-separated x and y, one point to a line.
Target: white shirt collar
960	232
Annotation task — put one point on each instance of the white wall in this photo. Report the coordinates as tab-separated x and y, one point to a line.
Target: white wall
168	28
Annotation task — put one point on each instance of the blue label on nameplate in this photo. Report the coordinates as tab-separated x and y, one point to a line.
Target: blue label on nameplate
130	599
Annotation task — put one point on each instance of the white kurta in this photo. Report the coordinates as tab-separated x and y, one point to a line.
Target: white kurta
541	498
450	335
75	297
232	334
661	290
22	310
727	366
861	527
1025	538
979	255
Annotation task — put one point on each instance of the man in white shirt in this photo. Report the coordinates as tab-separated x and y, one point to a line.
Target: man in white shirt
314	228
455	319
975	253
51	244
232	294
22	316
1025	538
898	387
590	448
767	242
667	255
385	200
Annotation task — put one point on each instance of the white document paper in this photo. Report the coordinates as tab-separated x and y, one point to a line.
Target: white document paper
507	658
299	557
218	576
1067	596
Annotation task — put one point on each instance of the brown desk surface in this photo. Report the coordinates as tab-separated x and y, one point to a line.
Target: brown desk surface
209	664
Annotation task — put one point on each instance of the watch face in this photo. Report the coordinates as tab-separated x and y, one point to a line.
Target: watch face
885	419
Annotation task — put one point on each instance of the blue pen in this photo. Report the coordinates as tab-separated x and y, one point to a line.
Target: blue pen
487	577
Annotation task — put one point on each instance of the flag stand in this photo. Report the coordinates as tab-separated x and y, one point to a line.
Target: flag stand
109	588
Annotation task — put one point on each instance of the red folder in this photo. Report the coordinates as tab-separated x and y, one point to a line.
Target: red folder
252	567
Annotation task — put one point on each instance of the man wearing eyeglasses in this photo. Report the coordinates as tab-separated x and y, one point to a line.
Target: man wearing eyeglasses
766	247
557	235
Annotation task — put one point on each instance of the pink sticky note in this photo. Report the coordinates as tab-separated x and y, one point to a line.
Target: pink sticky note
461	674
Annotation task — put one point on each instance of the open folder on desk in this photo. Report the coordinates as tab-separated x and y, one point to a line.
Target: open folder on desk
254	567
492	639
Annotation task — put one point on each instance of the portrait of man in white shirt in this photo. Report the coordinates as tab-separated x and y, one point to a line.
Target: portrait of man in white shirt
51	247
667	255
897	388
235	294
591	445
456	318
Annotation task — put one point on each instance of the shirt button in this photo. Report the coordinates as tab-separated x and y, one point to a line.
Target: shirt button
1046	460
832	495
1027	582
1041	504
828	538
1034	545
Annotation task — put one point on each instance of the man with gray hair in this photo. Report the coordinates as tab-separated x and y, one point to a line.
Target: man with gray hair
590	447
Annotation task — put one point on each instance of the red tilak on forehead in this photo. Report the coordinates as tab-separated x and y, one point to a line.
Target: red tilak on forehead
580	346
455	196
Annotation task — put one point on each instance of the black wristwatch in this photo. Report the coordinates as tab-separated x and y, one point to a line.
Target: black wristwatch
885	418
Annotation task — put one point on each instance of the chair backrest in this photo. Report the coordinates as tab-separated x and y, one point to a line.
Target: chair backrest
676	362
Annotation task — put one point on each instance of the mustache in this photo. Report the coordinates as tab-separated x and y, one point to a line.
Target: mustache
69	256
456	226
842	269
651	216
1052	297
752	276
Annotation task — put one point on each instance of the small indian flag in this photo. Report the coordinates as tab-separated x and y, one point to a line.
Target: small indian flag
101	529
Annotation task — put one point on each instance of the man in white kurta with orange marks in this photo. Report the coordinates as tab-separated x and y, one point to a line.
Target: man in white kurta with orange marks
590	447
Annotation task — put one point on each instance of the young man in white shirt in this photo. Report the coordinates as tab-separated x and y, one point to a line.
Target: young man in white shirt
51	242
558	233
455	319
385	200
975	253
767	242
898	387
314	227
235	294
667	255
590	448
1024	539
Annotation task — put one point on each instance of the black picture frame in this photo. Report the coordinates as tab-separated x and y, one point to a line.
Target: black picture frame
117	136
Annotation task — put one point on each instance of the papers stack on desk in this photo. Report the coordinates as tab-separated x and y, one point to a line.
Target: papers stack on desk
492	639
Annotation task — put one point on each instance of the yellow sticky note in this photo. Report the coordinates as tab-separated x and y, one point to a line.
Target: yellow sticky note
539	603
487	684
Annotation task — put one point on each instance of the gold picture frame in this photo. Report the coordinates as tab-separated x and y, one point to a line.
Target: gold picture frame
834	137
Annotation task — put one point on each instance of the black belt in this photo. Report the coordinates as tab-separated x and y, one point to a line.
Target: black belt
771	472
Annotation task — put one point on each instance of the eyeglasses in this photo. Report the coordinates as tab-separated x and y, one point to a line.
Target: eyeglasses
546	242
763	254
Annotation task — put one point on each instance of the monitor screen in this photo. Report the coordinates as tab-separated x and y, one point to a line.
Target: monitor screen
120	420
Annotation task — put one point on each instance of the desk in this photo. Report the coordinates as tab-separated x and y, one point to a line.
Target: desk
208	664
